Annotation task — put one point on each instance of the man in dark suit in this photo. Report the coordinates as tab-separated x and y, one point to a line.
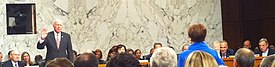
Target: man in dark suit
14	60
58	43
247	44
225	51
264	50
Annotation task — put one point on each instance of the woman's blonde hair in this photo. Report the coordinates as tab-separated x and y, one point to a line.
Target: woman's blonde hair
200	59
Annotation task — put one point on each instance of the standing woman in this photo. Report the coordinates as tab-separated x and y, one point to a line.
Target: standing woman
25	56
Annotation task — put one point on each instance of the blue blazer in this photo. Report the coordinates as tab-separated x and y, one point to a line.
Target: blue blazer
65	48
201	46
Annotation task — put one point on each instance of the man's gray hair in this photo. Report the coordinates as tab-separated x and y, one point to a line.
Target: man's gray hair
164	57
268	61
245	57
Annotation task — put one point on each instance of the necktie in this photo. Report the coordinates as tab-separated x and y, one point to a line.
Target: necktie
57	41
15	65
223	55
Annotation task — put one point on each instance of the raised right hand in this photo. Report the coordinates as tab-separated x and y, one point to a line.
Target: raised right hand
44	33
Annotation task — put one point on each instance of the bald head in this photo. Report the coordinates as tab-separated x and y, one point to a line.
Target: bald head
244	58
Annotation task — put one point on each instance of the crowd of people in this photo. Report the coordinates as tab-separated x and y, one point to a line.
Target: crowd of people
196	54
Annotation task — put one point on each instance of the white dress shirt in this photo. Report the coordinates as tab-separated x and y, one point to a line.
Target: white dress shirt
265	53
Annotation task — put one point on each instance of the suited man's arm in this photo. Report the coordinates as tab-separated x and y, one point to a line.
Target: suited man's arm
43	41
70	50
41	44
231	52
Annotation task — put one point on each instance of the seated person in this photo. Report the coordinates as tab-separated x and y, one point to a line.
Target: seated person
13	61
138	54
264	50
130	51
147	57
225	51
164	57
98	54
247	44
156	46
25	56
123	60
111	53
121	48
184	47
272	47
86	60
200	59
59	62
216	46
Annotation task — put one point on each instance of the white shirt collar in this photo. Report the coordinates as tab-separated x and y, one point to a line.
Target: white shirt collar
265	53
13	63
59	35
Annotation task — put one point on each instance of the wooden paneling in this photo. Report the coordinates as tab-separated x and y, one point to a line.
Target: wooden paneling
251	19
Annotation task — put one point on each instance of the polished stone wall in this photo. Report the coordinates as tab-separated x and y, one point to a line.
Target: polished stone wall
100	24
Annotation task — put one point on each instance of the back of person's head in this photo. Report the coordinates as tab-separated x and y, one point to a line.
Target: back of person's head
59	62
38	58
86	60
268	61
197	32
164	57
273	64
123	60
200	59
244	58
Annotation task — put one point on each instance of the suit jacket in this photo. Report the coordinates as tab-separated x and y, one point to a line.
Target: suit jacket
65	47
9	64
228	52
270	52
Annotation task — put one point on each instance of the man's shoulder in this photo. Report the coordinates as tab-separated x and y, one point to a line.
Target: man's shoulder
5	63
231	51
64	33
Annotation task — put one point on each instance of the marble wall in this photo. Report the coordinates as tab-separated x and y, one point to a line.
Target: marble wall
100	24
